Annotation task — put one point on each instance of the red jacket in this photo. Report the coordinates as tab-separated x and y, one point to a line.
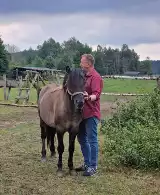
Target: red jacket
94	86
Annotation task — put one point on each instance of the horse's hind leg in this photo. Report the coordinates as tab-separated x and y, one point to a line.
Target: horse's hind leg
43	137
52	136
72	136
60	149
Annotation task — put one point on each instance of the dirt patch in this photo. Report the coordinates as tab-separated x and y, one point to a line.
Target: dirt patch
12	116
108	108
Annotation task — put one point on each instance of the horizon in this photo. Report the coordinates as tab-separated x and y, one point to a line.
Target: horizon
94	47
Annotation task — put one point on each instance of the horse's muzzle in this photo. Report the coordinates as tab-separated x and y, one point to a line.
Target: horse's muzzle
80	105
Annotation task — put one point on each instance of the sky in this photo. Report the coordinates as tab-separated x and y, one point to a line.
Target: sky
112	23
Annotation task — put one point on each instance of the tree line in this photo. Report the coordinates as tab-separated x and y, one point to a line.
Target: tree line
52	54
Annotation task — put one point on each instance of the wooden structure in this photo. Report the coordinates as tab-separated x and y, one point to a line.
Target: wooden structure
27	78
31	80
35	78
7	84
47	74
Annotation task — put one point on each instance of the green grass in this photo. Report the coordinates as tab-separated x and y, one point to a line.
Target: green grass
110	85
114	98
21	171
14	94
128	86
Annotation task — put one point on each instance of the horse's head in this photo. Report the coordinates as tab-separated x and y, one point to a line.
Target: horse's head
75	86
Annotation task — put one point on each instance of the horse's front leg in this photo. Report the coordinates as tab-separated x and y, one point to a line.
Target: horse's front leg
60	149
72	136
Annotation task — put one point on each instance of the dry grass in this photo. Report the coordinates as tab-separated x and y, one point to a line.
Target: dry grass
21	171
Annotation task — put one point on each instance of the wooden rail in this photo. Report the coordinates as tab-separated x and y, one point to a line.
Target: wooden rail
36	106
18	105
123	94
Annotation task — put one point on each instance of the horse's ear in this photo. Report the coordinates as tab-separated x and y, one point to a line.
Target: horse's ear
68	69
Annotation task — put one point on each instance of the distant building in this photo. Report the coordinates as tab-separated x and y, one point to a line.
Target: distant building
156	67
132	73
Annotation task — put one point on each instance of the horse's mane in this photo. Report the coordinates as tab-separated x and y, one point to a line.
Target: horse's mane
65	80
74	76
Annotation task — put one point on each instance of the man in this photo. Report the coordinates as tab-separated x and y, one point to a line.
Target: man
87	136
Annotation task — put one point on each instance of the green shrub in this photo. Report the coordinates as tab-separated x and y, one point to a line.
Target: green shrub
132	134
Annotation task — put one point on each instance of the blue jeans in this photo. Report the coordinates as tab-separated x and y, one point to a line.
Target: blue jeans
88	140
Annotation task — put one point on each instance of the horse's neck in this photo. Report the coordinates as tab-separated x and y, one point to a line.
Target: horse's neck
68	102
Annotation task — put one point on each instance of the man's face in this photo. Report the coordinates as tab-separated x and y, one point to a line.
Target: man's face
84	63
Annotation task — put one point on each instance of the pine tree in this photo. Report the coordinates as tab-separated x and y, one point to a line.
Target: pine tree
3	58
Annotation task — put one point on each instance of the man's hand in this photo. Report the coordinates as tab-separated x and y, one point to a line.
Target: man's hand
92	97
86	96
89	97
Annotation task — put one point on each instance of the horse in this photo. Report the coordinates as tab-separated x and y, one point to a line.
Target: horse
60	111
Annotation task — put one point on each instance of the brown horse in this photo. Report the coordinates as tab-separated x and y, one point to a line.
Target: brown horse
60	111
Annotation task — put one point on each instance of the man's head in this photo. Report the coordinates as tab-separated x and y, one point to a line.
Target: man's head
87	61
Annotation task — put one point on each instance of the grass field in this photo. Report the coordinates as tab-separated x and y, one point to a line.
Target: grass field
128	85
21	171
110	85
14	94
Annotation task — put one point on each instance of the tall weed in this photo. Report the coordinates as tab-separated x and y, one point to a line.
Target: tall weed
132	134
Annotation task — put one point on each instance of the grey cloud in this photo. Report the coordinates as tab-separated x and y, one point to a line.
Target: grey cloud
130	22
90	28
132	30
150	7
114	22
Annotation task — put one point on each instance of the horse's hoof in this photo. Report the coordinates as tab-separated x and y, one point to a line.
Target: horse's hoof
43	159
72	172
60	173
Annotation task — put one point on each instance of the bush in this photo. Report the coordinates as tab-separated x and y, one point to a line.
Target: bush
132	134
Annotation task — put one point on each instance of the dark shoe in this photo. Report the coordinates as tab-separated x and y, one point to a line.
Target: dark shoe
81	168
89	172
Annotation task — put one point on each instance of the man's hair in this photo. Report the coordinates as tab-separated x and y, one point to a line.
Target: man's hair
89	58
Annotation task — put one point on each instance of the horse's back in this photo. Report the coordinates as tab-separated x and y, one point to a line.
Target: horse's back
46	88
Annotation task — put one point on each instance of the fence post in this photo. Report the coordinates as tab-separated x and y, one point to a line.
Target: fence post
5	86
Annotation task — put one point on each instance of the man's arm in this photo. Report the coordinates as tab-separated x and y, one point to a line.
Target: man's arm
96	86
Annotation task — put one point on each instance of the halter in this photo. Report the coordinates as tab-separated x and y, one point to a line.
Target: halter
73	94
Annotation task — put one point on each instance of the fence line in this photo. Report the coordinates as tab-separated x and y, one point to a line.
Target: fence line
123	94
130	77
36	106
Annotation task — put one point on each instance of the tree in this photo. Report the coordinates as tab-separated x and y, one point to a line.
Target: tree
99	63
146	66
75	49
52	54
37	62
3	58
64	61
49	48
12	48
50	62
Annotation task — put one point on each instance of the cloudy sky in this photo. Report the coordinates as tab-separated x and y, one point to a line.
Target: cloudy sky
28	23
